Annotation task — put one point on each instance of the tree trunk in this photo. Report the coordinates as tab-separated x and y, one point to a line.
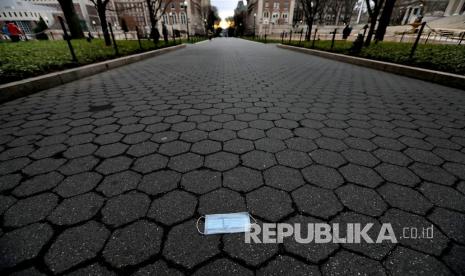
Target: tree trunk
154	34
72	18
384	20
309	31
101	9
371	30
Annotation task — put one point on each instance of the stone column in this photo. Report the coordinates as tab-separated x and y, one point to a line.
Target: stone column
406	15
450	8
290	16
259	21
459	7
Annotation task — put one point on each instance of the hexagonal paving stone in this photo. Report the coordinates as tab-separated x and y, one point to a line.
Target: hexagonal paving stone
405	198
294	159
279	133
362	200
195	248
253	254
43	166
92	269
400	219
309	250
159	182
347	263
221	201
223	267
455	259
222	135
23	244
323	176
125	208
221	161
316	201
392	157
361	175
450	222
38	184
269	203
270	145
258	160
150	163
76	209
201	181
360	157
206	147
373	250
143	148
283	178
78	184
185	162
443	196
158	268
242	179
327	158
29	210
9	181
289	265
111	150
181	205
396	174
174	148
76	245
433	173
78	165
403	261
133	244
118	183
251	134
238	146
301	144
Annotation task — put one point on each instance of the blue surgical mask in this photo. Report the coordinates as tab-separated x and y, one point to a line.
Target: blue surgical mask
226	223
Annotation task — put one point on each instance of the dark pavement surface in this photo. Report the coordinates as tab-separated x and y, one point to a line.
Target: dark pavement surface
108	174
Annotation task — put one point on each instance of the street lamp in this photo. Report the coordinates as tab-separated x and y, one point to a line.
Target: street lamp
205	23
254	17
172	24
187	20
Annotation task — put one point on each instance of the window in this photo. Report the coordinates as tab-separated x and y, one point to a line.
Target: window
266	14
276	5
183	18
165	18
175	18
284	15
266	4
275	16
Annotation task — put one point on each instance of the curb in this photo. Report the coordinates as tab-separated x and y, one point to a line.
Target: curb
17	89
447	79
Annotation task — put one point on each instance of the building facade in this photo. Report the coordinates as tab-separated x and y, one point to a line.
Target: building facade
25	14
272	17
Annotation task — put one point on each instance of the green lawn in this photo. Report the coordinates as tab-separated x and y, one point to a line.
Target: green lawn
446	58
32	58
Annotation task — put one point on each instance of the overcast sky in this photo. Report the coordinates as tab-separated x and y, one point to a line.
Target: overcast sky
225	7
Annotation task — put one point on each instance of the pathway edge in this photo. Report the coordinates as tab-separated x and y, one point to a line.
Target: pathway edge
443	78
14	90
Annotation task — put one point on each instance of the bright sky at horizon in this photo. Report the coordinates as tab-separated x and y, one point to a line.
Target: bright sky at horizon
225	9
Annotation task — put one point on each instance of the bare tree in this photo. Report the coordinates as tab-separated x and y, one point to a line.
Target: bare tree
101	6
72	18
309	8
384	20
156	9
374	8
349	6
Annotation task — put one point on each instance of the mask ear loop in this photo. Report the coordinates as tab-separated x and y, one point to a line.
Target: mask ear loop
197	225
254	220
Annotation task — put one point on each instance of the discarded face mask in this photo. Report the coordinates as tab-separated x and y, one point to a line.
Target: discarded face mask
226	223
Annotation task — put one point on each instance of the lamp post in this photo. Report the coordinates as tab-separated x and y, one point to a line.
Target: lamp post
205	23
172	24
187	20
254	18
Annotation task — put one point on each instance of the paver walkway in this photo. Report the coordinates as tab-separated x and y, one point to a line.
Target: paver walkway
108	174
